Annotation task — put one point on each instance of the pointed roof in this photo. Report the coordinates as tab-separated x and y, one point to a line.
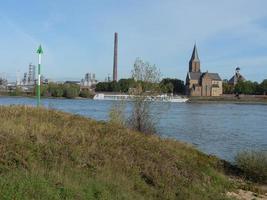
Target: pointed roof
194	75
194	56
237	77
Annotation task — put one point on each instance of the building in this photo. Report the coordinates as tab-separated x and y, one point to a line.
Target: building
31	74
89	80
236	78
201	84
29	79
73	82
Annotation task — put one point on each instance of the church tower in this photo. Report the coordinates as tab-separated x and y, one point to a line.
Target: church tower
194	63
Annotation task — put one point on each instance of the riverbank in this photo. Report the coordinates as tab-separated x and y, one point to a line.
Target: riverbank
42	97
47	154
242	99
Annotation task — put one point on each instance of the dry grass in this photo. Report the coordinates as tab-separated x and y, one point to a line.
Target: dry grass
47	154
253	165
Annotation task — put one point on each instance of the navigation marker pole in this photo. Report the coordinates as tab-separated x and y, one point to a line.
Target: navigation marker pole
40	52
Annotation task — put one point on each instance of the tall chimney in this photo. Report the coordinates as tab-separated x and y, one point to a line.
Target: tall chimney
115	60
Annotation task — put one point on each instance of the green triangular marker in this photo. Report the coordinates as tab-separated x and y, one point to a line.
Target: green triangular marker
40	50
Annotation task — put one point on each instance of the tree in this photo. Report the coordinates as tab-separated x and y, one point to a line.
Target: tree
102	87
125	84
263	86
85	94
56	90
177	87
245	87
113	86
227	88
71	90
147	79
17	92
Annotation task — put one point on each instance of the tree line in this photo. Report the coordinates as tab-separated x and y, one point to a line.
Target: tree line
167	85
64	90
67	90
246	87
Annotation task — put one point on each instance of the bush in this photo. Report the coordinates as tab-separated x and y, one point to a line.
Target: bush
85	94
116	113
57	92
253	164
147	78
71	91
17	92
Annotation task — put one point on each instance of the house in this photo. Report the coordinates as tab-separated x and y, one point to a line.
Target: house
236	78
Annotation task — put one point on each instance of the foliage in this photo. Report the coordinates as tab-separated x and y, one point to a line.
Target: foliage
227	88
113	86
86	94
263	86
116	113
175	86
101	87
167	88
17	92
253	164
43	90
140	118
47	154
246	87
60	90
71	91
125	84
167	85
145	72
122	85
55	90
147	77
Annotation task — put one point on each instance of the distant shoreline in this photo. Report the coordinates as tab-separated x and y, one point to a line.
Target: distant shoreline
243	99
33	97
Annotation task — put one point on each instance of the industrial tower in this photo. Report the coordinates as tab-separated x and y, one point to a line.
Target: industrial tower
115	59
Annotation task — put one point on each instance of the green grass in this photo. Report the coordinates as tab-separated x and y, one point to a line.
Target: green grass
253	165
47	154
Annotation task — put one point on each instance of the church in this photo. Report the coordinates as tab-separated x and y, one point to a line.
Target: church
201	84
236	78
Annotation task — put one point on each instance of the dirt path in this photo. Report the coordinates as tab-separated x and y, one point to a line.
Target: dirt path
247	195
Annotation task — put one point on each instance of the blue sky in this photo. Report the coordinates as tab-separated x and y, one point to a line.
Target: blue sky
77	36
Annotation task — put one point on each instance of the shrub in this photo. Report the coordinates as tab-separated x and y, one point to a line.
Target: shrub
253	164
147	78
85	94
57	92
17	92
116	113
71	91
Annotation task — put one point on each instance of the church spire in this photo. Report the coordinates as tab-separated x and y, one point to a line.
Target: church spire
194	56
194	63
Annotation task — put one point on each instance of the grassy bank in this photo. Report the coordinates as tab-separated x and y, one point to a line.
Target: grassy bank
46	154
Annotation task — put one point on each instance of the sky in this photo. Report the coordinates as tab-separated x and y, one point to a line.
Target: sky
77	36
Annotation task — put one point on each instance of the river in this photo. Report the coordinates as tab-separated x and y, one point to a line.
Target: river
219	129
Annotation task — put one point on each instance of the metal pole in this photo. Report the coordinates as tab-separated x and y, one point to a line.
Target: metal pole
40	52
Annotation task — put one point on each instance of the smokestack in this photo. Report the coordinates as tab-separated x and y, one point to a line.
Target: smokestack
115	60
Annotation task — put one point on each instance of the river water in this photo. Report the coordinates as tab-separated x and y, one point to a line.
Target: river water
216	128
